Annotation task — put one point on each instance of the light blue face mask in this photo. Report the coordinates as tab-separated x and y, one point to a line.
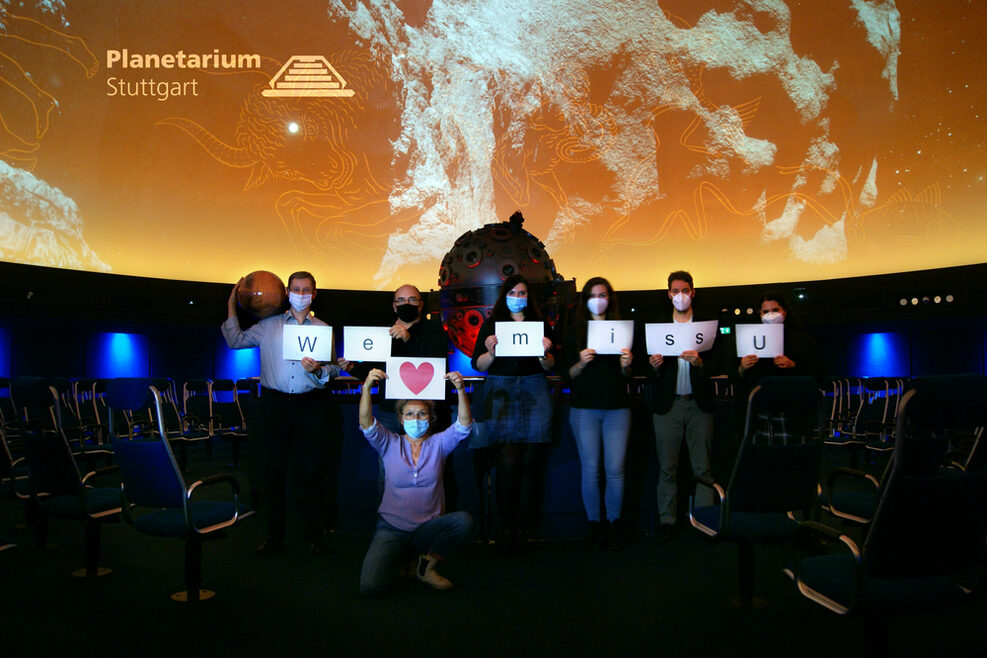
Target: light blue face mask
415	428
516	304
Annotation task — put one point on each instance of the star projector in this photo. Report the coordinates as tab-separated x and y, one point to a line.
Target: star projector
478	263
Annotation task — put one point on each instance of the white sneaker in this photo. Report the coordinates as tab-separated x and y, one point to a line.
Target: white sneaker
427	574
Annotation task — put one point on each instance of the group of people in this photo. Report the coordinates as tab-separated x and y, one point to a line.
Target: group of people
508	424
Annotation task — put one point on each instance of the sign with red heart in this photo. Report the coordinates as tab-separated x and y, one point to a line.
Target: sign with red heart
415	379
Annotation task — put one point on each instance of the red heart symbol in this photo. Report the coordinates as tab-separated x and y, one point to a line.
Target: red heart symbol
416	378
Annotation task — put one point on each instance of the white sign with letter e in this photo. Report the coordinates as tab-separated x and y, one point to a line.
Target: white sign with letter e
410	378
301	340
366	343
673	338
609	336
765	340
519	338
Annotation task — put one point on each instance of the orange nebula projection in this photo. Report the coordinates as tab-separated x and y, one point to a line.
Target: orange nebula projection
751	141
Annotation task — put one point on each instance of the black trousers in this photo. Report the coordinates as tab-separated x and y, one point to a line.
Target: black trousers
298	436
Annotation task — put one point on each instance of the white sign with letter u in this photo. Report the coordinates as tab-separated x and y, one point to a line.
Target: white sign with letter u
765	340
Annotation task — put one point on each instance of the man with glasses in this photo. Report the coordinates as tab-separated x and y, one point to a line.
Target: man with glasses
411	336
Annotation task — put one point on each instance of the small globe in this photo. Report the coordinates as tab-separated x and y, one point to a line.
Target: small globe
262	294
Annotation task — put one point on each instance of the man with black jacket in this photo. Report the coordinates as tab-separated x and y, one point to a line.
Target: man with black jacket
682	398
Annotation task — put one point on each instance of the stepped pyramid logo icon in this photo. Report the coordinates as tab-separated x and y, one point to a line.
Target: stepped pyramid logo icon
307	76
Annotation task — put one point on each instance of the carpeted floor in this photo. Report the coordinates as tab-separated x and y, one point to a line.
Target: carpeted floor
562	599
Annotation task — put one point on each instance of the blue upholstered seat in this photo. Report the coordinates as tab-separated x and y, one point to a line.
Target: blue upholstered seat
773	477
57	488
156	500
926	544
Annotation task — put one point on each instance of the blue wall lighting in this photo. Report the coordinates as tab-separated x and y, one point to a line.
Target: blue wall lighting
118	355
4	353
879	355
236	364
461	363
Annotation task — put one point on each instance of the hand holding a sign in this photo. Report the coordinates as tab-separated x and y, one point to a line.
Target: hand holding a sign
310	364
626	358
692	358
399	332
456	379
783	361
586	357
747	362
656	360
491	344
374	376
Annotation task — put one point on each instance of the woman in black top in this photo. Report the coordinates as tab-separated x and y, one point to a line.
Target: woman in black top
801	357
600	412
513	411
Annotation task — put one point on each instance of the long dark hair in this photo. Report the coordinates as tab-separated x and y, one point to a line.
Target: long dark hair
501	313
581	315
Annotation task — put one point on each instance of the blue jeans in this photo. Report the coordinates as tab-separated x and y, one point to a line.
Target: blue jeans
437	537
609	428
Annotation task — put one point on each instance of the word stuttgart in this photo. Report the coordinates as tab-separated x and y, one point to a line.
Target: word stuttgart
163	90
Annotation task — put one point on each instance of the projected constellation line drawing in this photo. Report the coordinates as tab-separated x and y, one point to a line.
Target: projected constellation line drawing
19	144
696	227
338	181
732	133
577	137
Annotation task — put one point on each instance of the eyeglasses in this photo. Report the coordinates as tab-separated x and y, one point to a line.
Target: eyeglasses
407	300
413	415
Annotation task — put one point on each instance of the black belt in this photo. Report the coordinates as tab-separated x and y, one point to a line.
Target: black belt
281	394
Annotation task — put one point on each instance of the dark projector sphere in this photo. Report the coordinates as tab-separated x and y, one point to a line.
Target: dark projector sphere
474	269
262	294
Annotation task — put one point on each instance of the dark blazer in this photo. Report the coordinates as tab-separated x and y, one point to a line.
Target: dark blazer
663	381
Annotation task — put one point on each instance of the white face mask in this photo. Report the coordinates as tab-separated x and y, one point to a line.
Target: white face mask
597	305
299	302
681	302
773	317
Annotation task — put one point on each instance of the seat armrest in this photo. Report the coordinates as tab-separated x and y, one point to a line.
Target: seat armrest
712	484
92	475
209	481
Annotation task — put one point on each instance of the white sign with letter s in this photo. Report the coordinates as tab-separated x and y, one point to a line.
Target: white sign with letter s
673	338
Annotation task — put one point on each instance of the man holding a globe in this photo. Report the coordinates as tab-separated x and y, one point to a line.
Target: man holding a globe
293	400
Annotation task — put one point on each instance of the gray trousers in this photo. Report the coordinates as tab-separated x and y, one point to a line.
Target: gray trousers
683	420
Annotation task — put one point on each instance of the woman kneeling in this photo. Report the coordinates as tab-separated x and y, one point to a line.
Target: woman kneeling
412	510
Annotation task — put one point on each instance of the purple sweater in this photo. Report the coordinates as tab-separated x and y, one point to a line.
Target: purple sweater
413	493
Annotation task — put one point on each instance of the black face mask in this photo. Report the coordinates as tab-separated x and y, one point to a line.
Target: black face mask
407	312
